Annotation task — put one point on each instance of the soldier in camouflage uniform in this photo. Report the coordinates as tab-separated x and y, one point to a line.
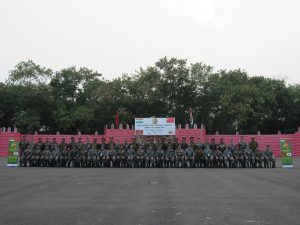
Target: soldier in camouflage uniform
170	157
92	159
36	157
160	155
208	157
213	144
238	157
140	157
231	146
249	157
180	157
47	144
55	157
39	145
62	144
190	156
26	157
53	144
72	143
184	144
242	144
111	143
222	145
227	157
199	156
102	153
95	144
258	157
103	144
122	156
73	157
150	157
218	158
131	155
192	143
64	156
83	153
87	145
22	147
46	154
111	157
268	157
253	144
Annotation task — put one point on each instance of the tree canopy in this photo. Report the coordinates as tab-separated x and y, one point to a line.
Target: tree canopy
38	98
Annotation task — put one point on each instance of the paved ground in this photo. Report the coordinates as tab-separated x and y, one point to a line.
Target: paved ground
149	196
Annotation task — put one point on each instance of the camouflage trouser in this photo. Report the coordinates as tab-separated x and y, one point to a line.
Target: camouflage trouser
159	161
25	161
218	162
199	162
269	162
150	161
45	161
208	161
130	161
170	162
190	162
140	161
73	161
180	161
227	162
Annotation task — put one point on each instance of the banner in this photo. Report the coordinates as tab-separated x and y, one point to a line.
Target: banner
286	153
155	126
13	153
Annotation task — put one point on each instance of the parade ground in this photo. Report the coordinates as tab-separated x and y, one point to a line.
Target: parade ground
128	196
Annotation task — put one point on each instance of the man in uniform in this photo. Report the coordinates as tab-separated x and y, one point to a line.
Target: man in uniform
150	157
258	157
180	157
53	144
55	157
199	156
102	156
64	156
103	144
130	154
26	157
39	145
208	157
192	143
95	144
47	144
140	157
23	145
72	143
62	144
170	157
227	157
222	145
249	157
160	156
83	152
87	145
253	144
92	160
36	157
73	157
46	157
242	144
190	156
122	156
111	157
218	157
269	159
238	157
111	143
184	145
80	145
213	144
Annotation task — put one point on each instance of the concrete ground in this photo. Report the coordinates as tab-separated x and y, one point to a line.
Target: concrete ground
149	196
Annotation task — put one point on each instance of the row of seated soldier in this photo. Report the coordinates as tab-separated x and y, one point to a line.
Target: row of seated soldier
165	153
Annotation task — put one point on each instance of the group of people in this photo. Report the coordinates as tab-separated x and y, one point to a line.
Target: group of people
166	153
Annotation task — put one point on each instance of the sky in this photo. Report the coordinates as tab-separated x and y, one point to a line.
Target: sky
115	37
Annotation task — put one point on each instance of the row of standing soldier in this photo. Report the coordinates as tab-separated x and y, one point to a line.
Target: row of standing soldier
168	153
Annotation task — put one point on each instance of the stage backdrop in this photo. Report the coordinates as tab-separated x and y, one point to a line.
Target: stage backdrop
155	126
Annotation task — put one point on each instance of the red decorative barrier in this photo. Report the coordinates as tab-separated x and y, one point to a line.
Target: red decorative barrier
122	134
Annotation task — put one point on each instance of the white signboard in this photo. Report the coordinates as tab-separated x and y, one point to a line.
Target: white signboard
155	126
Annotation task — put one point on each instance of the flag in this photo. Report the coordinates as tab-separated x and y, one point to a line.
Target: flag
117	119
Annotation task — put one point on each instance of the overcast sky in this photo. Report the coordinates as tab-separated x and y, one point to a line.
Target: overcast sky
120	36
